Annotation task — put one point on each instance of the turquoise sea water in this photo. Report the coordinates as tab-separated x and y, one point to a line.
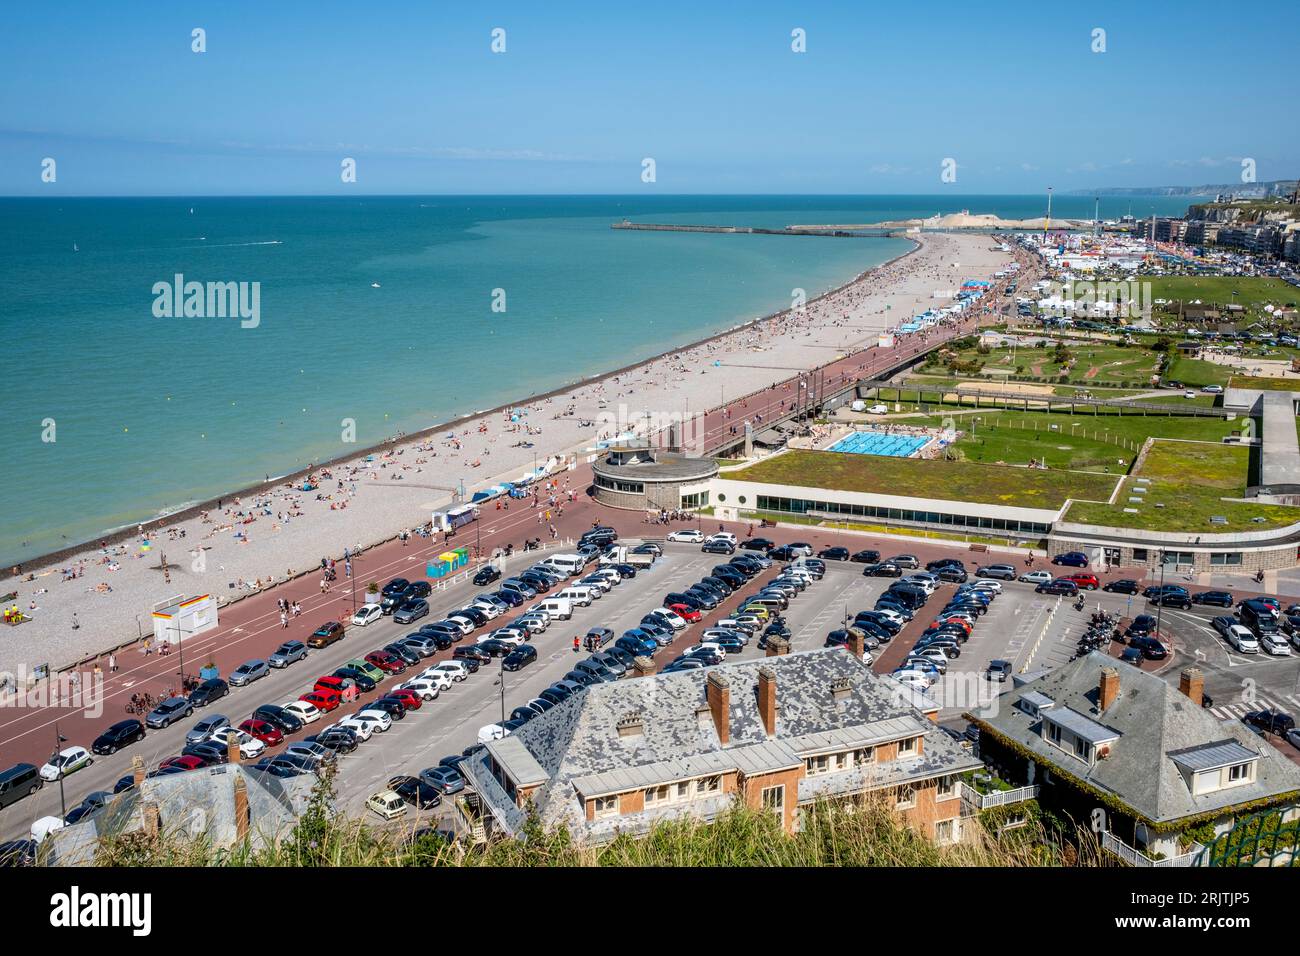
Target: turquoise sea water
153	413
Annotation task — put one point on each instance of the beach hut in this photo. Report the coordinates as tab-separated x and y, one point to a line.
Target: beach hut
447	563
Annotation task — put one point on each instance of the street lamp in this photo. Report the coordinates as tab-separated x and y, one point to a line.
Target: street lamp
501	682
59	740
1160	601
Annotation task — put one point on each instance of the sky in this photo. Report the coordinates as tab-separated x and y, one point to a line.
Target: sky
1016	95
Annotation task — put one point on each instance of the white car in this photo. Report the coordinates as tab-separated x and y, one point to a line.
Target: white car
867	658
1242	639
66	761
367	613
361	727
466	624
453	669
925	584
671	618
490	733
509	635
303	710
705	646
489	610
1274	642
44	827
986	584
249	746
893	616
1036	577
726	536
1212	389
1189	394
609	574
536	623
379	718
439	677
880	408
427	689
689	535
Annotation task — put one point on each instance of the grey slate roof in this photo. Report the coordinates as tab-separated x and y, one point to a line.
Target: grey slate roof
577	743
198	803
1155	721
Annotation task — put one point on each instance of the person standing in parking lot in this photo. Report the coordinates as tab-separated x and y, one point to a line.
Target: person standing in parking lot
575	643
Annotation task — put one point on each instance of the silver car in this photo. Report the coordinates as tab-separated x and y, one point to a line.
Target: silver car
248	672
206	727
287	653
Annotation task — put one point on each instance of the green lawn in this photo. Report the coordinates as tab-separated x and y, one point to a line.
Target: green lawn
1268	384
911	477
1252	292
1102	443
1092	362
1190	480
1197	372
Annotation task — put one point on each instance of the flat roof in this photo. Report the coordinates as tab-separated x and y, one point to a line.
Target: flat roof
513	757
1222	753
1081	726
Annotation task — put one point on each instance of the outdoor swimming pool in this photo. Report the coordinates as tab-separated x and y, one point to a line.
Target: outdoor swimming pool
880	443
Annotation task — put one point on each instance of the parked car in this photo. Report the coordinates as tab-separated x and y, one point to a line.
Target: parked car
281	718
206	727
1084	581
486	575
689	535
1073	559
1172	599
998	670
264	731
1270	721
168	712
121	734
444	778
366	614
387	804
288	653
325	635
1122	586
1215	598
411	611
66	761
209	691
1004	572
1036	577
1058	586
248	672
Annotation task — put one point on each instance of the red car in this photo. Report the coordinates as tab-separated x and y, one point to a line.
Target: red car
385	662
322	700
343	688
264	731
1085	581
186	762
685	612
408	697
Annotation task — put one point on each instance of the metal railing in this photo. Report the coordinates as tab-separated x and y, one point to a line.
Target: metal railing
1135	857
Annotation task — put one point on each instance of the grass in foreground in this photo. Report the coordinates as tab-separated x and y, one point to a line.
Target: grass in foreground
1250	292
1191	480
916	478
1194	373
1268	384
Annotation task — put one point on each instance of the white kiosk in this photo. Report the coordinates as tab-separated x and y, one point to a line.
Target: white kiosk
180	617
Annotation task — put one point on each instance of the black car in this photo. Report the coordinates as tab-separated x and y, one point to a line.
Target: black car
1214	598
938	563
474	614
834	554
415	792
1150	647
338	739
472	654
784	553
118	736
495	648
730	574
403	653
1072	559
884	569
1269	721
394	707
209	751
18	853
520	657
124	784
1058	586
1123	586
865	557
952	575
279	718
209	691
758	544
1173	599
486	575
718	546
395	586
443	637
524	714
365	683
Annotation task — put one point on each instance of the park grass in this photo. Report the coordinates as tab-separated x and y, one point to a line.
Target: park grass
1100	443
1267	383
937	479
1251	292
1114	363
1191	480
1197	372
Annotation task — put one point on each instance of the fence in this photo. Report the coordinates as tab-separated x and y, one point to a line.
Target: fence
1135	857
998	798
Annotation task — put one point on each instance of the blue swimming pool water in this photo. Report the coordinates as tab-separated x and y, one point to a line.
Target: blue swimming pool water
879	443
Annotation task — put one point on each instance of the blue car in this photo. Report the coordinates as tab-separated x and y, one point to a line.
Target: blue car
1072	559
636	646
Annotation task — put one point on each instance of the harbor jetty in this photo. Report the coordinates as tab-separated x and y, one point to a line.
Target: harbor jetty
852	232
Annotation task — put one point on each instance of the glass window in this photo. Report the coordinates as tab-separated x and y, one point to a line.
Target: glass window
907	747
906	798
947	787
1240	772
606	806
774	798
1226	558
708	784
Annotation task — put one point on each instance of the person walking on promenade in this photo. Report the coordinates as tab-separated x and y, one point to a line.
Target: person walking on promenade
112	663
284	619
76	625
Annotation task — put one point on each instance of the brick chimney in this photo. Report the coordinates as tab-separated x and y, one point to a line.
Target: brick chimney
232	748
767	699
1108	689
719	698
777	646
643	666
857	645
242	815
1191	682
631	725
152	818
137	771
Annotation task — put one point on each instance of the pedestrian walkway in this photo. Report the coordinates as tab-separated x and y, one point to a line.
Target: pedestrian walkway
1289	703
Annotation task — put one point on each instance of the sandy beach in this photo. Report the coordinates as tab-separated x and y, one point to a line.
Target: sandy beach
95	598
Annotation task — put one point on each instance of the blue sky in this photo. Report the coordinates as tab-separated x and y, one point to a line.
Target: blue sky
585	91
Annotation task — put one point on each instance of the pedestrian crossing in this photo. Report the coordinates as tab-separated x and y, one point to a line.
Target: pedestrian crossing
1290	703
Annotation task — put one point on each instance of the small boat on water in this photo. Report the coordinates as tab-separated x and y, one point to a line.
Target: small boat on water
74	248
374	285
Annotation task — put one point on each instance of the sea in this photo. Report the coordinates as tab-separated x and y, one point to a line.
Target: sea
396	313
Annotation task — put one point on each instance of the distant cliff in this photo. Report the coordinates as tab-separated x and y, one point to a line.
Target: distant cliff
1276	187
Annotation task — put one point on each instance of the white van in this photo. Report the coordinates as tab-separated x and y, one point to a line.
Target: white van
43	827
580	594
569	564
555	608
